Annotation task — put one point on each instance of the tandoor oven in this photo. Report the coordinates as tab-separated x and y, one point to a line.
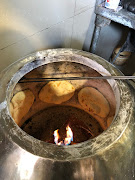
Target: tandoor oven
64	128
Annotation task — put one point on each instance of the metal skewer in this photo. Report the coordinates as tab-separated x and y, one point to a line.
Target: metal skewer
28	80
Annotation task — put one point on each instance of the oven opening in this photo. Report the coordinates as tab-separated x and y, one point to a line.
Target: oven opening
63	112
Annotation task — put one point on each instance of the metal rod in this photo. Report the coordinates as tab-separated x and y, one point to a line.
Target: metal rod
75	78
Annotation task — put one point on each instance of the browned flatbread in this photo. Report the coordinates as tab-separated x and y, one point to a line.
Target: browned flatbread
21	104
94	102
56	92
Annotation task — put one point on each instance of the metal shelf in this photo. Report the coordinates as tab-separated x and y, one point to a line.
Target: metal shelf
104	16
122	16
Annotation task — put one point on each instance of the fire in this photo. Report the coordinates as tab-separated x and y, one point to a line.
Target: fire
67	140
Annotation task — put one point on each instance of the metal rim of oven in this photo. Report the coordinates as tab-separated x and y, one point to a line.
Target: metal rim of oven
50	151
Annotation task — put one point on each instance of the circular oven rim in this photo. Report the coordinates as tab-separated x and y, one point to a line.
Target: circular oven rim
81	150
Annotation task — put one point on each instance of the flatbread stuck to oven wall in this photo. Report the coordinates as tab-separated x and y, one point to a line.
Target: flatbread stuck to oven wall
21	104
94	102
56	92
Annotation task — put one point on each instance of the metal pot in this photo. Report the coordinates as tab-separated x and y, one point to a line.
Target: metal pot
108	156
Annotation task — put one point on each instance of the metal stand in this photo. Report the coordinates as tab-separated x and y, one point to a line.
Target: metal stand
99	23
104	17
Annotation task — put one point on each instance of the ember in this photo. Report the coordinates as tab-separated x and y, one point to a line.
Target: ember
67	140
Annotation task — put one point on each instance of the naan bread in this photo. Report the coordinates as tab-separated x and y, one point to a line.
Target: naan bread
94	102
56	92
21	104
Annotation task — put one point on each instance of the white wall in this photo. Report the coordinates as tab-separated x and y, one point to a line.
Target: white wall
27	26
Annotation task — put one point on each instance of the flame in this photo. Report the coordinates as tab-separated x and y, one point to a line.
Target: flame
67	140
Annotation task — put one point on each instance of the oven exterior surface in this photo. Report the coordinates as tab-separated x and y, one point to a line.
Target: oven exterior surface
109	156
